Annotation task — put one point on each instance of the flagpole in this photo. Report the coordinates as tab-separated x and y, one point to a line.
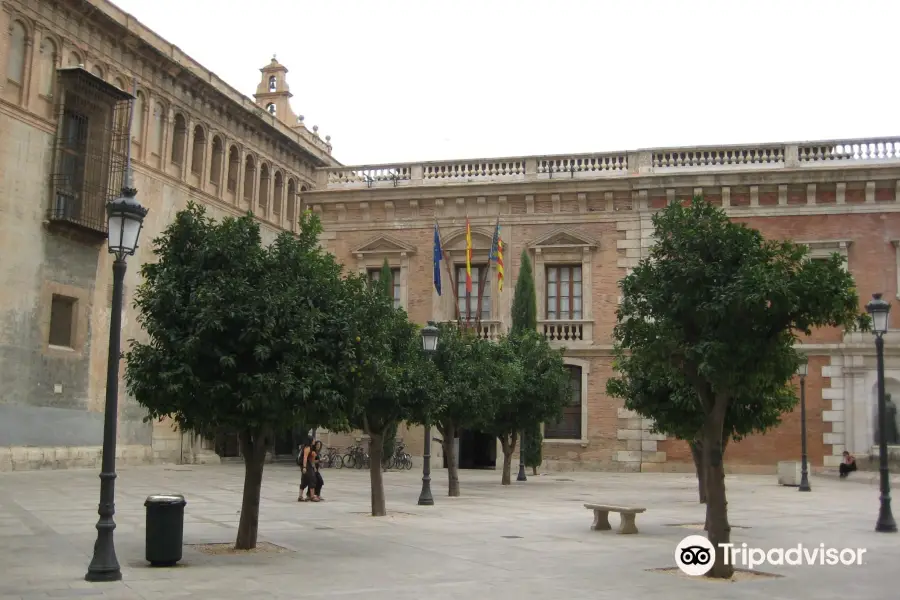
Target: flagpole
449	260
468	271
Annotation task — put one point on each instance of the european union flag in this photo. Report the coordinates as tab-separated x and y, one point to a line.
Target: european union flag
438	257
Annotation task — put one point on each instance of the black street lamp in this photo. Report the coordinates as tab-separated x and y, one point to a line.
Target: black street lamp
429	345
125	218
521	475
802	370
879	310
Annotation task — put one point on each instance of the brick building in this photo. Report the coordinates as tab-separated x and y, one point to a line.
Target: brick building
585	221
71	70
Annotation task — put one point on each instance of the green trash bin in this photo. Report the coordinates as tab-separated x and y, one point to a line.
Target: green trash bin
165	529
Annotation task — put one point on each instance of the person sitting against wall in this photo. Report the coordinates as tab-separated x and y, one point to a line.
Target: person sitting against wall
848	465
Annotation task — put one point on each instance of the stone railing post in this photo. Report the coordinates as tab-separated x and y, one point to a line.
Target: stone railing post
791	156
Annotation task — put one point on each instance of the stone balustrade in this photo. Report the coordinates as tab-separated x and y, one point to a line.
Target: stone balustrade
707	159
566	331
486	330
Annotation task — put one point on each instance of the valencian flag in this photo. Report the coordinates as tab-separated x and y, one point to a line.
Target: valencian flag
497	254
438	256
468	257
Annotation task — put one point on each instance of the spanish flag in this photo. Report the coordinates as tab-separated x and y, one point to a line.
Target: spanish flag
468	257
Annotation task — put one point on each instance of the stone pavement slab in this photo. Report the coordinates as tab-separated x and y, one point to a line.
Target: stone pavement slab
528	540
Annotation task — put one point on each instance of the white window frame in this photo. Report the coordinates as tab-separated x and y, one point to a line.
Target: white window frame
373	253
561	247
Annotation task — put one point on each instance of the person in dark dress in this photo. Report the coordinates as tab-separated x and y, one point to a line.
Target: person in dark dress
320	482
308	479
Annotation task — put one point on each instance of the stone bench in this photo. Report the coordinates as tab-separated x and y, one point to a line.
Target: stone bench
601	517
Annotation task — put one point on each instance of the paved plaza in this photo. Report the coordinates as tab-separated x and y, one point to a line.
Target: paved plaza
530	540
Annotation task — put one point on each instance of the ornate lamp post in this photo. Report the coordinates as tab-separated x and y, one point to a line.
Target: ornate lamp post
125	219
429	345
802	370
879	310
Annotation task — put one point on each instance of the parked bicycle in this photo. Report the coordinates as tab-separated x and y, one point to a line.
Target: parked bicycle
400	459
356	457
332	458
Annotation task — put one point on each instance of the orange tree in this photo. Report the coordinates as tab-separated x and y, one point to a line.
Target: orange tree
712	314
241	336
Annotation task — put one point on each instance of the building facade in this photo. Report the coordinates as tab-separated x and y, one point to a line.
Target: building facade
585	221
71	74
84	85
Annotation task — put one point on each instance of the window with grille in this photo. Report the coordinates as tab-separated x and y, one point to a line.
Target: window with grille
375	275
569	426
564	299
478	272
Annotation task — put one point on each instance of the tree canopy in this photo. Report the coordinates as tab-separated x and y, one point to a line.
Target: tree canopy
537	395
391	380
241	336
474	378
706	329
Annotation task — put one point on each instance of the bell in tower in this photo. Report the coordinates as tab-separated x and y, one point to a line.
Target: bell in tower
273	93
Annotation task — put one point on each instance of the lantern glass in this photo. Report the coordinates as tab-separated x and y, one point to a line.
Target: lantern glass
879	310
430	337
803	367
125	219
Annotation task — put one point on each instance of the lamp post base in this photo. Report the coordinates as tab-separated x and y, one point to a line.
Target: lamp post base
886	523
425	497
103	576
521	476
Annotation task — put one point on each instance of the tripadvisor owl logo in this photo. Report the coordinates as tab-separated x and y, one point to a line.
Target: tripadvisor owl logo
695	555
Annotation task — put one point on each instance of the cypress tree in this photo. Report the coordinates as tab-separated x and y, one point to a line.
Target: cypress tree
524	308
524	318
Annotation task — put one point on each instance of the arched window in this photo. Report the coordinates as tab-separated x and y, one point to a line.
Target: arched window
48	66
273	84
74	60
198	151
215	168
263	189
15	62
96	70
137	123
271	108
179	138
249	179
119	83
159	120
291	203
279	192
234	163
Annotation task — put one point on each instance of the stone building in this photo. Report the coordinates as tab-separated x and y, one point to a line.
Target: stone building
70	73
585	220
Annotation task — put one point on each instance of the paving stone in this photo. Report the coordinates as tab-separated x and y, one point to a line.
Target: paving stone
527	541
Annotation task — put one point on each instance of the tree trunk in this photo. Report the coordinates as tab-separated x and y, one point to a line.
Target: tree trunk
697	455
376	451
253	447
534	470
508	444
718	529
447	433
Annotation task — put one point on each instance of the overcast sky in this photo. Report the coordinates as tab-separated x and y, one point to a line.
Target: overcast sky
405	80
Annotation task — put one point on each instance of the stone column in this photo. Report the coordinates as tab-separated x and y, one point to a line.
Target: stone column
239	184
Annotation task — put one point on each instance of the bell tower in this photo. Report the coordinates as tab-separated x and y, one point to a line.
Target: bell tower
273	93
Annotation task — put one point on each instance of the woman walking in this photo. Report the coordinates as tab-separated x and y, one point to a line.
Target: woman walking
308	479
320	482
